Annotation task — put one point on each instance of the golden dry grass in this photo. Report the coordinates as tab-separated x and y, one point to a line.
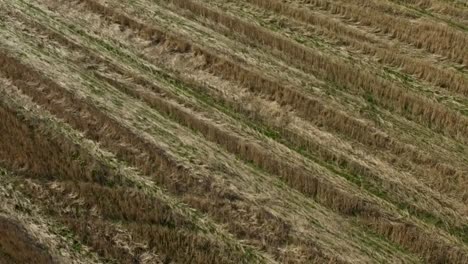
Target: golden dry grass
209	132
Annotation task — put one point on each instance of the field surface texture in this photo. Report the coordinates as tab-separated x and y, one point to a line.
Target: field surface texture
233	131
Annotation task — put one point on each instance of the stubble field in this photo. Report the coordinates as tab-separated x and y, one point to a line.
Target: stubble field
222	131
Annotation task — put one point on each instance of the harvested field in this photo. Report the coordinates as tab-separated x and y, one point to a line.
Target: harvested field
250	131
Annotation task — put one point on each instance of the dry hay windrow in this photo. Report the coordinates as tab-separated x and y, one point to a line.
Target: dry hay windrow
450	12
40	158
108	215
311	37
223	214
39	165
99	128
17	246
385	53
422	33
73	196
444	8
323	191
311	108
348	129
393	97
445	172
41	231
177	179
126	145
222	137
